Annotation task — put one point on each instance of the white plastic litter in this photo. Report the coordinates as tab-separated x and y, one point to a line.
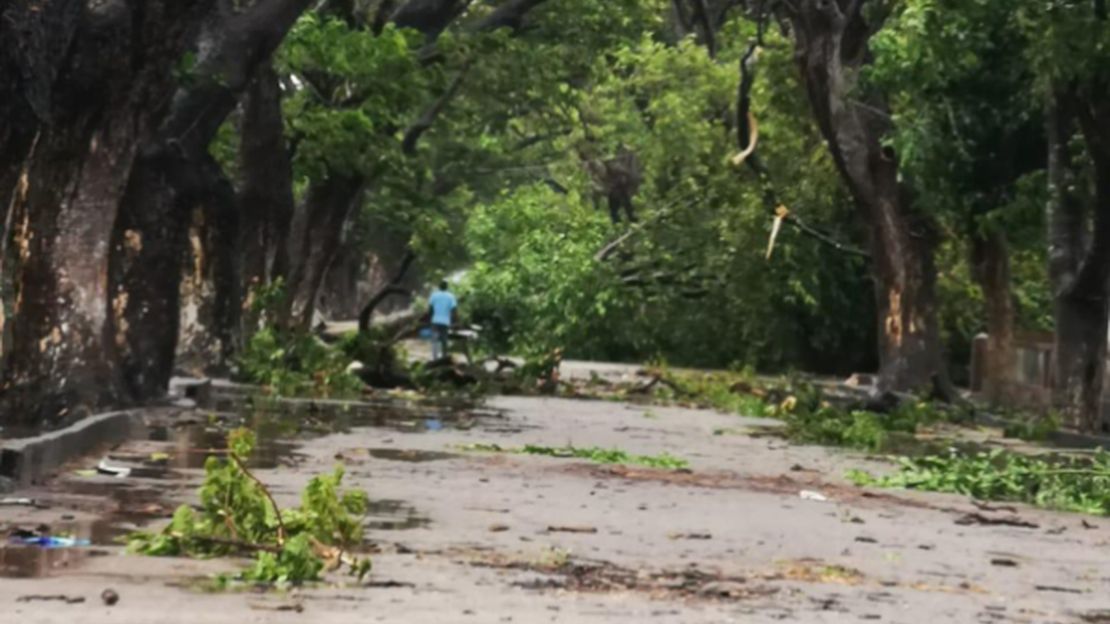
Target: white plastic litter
117	471
812	496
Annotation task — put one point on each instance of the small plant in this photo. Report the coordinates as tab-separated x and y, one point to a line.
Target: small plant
238	514
1064	483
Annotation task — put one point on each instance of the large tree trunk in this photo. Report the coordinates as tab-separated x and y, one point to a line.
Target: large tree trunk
327	206
1079	255
345	285
173	173
266	182
831	41
210	285
91	108
990	259
265	193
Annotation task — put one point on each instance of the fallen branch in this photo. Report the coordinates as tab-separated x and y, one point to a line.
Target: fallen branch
657	380
222	541
392	288
266	492
571	529
612	247
977	518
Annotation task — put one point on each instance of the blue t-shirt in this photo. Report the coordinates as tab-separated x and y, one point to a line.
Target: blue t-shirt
442	303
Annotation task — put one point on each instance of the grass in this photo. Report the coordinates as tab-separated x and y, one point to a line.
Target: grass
595	454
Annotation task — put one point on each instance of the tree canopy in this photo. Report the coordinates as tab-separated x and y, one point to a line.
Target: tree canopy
576	163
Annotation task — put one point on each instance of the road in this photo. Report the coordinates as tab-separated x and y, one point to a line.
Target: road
462	536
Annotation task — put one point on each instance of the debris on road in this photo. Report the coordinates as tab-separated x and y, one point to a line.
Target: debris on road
978	518
571	529
51	597
115	471
812	496
1056	588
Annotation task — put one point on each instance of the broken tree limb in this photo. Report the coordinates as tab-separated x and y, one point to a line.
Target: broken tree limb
753	140
392	288
747	136
608	250
780	213
266	492
222	541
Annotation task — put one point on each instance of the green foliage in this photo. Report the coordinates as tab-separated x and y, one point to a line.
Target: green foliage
296	364
291	362
809	416
732	392
1035	428
1065	483
608	456
689	280
1068	41
236	513
594	454
294	563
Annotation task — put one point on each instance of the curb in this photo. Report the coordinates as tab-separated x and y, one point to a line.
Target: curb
27	461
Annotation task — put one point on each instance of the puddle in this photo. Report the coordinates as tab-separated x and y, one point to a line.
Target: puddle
899	443
189	446
20	561
393	515
409	455
188	443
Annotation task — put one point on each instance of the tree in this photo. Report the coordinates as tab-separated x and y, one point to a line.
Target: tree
1070	49
176	175
85	86
831	41
967	130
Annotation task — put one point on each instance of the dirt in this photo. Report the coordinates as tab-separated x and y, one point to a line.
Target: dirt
459	536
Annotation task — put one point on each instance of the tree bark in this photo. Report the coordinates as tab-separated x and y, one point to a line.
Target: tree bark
266	187
831	45
394	287
328	205
95	80
990	258
173	173
345	283
1079	255
210	286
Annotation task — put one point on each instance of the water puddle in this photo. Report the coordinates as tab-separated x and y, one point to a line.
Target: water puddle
394	515
187	443
910	445
18	560
409	455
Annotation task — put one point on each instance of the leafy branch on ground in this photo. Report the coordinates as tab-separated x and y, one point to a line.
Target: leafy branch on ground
291	364
593	453
1067	483
237	514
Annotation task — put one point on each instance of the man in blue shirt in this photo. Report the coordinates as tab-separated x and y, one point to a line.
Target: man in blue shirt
441	309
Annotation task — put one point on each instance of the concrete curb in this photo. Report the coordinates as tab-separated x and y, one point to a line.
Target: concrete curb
28	461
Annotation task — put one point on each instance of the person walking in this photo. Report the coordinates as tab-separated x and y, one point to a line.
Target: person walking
442	307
